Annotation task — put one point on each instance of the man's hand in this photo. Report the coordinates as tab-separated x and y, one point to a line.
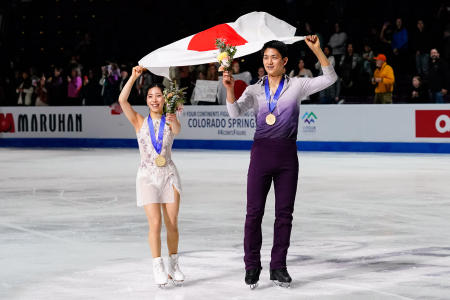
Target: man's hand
312	41
228	80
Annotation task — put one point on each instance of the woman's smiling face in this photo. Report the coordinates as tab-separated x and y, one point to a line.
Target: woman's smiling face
155	100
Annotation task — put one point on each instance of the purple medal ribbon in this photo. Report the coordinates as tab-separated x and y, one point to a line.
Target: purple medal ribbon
157	143
276	96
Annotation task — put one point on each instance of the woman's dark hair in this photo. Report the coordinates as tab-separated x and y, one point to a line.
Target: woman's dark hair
161	87
280	46
77	70
418	78
158	85
329	48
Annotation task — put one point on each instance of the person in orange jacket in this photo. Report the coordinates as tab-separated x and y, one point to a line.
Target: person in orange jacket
384	79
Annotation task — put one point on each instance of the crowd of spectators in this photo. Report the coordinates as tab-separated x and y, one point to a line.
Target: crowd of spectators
408	61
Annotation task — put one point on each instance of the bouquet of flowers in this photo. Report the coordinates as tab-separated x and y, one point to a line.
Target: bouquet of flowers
226	54
174	98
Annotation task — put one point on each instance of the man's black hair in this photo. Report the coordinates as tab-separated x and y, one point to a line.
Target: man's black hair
280	46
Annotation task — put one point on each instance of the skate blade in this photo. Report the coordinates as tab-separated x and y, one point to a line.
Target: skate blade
282	284
177	283
253	286
162	286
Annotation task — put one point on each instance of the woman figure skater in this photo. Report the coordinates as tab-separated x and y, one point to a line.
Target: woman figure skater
158	184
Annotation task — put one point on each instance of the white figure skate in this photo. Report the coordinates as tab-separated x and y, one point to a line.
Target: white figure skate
159	272
174	271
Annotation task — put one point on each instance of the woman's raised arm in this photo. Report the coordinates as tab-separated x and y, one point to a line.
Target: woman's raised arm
133	116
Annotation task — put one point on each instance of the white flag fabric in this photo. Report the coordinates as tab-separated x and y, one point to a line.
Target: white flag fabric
248	33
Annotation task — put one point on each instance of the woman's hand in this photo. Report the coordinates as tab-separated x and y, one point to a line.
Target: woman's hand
174	124
312	41
137	71
228	80
171	118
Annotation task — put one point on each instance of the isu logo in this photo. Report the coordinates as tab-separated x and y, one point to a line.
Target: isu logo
433	123
6	123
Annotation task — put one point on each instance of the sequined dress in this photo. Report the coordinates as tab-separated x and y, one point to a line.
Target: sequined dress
155	184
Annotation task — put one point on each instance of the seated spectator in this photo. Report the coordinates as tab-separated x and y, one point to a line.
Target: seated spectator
328	51
91	90
308	56
419	92
367	57
261	73
245	76
123	79
110	83
187	79
384	79
399	37
386	38
438	77
337	42
211	73
301	71
25	90
331	93
74	84
3	97
241	79
201	76
421	45
57	88
350	66
400	49
41	92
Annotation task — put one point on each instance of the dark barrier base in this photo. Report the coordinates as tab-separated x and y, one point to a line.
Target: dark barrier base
68	143
230	145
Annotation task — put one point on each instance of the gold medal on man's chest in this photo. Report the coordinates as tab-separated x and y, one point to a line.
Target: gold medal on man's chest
270	119
160	161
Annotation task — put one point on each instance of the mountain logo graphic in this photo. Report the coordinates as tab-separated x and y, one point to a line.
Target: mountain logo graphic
309	118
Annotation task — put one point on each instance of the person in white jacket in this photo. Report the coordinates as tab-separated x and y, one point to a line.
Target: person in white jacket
25	90
337	42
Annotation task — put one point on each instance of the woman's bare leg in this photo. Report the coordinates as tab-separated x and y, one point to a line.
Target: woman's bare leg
170	211
153	212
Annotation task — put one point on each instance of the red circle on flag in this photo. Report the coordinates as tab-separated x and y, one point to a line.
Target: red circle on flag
239	88
206	40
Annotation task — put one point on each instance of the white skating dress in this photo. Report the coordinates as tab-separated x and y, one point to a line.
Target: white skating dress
155	184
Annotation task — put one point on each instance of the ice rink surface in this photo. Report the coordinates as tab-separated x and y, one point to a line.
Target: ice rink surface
366	226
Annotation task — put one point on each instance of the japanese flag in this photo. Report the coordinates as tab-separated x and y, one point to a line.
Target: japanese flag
249	33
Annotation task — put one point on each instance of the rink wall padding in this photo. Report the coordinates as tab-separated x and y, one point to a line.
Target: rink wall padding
231	145
422	128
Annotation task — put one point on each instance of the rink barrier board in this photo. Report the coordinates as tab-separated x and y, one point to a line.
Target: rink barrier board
350	128
326	146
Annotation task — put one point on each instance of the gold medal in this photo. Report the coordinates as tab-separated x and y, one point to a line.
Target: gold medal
160	161
270	119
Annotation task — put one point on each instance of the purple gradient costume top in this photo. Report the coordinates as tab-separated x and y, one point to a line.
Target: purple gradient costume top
288	107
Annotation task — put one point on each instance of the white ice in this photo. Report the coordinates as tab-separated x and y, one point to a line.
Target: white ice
366	226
